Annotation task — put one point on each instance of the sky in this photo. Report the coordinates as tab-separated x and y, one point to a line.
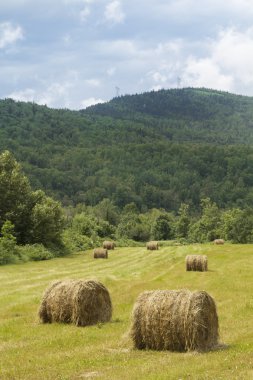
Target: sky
75	53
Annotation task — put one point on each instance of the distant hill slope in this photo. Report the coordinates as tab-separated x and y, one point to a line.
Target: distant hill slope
156	149
198	115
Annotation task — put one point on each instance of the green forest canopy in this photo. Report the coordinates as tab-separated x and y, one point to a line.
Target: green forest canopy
156	149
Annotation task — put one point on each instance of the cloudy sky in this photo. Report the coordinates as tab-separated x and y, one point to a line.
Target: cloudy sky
74	53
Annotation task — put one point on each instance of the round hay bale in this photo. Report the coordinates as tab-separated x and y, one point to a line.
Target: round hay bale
196	263
108	244
175	320
219	241
82	303
152	245
100	253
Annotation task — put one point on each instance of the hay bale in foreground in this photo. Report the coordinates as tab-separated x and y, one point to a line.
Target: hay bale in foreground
100	253
175	320
76	301
108	244
152	245
196	263
219	241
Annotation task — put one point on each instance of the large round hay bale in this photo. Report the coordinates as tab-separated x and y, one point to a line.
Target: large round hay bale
76	301
100	253
152	245
219	241
108	244
175	320
196	263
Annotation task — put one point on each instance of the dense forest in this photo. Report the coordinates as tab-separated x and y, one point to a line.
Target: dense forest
171	165
156	150
34	226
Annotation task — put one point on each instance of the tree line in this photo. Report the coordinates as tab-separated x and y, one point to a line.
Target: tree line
34	226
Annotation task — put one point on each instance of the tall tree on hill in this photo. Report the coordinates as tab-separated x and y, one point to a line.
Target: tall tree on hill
36	217
15	195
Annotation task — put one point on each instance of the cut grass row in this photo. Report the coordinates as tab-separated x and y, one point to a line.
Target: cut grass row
30	350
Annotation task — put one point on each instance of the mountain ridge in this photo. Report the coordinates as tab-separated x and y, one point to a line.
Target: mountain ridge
182	145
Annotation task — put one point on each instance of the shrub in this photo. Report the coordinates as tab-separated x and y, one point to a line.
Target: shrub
35	252
9	252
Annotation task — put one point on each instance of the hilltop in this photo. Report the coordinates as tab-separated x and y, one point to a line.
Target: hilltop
156	149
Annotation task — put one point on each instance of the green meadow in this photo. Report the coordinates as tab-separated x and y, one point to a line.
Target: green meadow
33	351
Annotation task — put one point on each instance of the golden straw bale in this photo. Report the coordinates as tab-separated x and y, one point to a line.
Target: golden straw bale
196	263
175	320
219	241
152	245
100	253
108	244
79	302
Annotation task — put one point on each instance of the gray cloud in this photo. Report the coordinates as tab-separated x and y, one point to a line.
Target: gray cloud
76	52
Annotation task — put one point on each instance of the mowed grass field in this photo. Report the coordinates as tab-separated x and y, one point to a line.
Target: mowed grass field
33	351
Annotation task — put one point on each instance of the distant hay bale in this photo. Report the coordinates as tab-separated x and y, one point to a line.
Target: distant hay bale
152	245
100	253
108	244
219	241
79	302
196	263
175	320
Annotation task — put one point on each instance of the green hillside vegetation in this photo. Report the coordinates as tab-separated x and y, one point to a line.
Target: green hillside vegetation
30	221
34	226
173	166
157	149
30	350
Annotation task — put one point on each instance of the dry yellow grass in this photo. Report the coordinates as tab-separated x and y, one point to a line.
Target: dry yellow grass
34	351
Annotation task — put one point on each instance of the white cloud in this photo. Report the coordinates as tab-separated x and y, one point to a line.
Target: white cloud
193	8
156	88
78	1
117	49
228	65
84	14
50	96
27	95
206	73
233	52
67	39
111	71
9	34
158	77
114	13
93	82
91	102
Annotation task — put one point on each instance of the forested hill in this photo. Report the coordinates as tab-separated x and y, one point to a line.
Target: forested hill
156	149
198	115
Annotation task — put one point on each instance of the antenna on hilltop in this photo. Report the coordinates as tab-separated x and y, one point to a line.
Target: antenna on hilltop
117	91
179	81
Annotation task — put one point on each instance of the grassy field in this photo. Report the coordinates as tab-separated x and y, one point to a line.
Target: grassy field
33	351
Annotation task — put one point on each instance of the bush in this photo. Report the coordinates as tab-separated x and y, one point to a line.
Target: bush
76	242
35	252
208	227
162	228
7	256
9	252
